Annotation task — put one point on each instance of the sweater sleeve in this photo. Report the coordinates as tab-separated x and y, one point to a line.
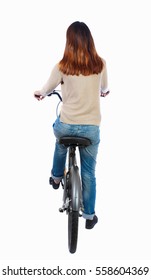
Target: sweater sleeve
54	80
104	79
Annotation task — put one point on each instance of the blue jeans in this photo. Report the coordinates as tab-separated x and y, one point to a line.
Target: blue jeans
88	157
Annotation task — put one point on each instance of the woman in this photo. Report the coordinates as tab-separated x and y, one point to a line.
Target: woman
83	77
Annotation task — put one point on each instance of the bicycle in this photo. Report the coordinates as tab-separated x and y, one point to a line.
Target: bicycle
72	186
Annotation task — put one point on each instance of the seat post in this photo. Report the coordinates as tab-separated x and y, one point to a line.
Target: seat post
72	155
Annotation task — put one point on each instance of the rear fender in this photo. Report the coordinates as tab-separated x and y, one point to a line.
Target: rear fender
76	188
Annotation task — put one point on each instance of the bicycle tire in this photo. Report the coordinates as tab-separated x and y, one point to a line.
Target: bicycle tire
74	207
73	223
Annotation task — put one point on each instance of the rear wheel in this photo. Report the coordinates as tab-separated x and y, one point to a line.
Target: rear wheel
74	208
73	221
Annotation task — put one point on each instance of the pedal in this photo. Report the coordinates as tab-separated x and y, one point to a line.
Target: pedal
62	184
50	181
80	212
61	210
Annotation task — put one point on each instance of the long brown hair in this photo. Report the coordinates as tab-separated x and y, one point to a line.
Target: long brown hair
80	55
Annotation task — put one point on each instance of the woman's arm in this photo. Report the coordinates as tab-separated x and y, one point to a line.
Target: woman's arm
104	82
54	80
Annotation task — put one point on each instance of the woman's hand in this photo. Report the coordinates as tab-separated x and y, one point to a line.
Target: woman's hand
38	96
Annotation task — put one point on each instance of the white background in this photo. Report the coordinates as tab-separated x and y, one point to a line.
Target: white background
32	40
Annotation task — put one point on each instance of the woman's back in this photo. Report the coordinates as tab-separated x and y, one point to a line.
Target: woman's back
81	100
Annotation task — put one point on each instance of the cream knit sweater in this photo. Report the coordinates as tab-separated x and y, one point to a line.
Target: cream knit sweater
80	95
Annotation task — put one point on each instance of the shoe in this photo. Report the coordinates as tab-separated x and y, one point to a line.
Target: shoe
54	185
91	223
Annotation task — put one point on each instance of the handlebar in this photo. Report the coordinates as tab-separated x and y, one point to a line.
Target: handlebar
59	96
56	93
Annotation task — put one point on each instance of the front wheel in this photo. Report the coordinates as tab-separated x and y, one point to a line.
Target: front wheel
73	221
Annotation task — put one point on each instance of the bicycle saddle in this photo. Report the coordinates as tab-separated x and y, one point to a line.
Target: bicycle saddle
74	141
